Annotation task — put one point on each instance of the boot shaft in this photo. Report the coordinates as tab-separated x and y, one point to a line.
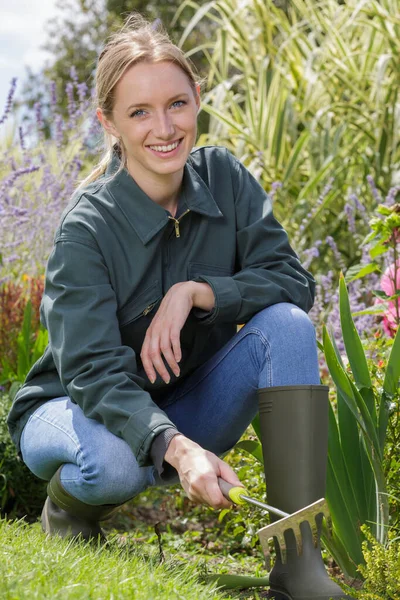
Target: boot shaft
294	436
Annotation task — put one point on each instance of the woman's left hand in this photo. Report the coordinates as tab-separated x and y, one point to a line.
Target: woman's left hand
162	338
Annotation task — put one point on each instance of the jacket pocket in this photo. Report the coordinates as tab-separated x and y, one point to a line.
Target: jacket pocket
141	305
195	269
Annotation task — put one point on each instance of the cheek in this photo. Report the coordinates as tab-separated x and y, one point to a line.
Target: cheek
189	121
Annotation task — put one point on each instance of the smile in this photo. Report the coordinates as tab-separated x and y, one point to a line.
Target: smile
167	148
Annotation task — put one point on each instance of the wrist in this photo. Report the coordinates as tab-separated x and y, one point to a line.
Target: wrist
177	448
202	295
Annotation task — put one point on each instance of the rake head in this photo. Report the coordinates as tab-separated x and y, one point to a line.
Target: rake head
277	530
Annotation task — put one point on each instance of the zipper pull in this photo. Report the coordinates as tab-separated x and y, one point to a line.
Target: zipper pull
148	309
177	232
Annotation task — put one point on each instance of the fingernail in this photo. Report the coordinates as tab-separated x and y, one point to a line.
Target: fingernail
152	380
167	380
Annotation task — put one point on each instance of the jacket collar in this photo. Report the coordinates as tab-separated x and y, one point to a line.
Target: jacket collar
146	216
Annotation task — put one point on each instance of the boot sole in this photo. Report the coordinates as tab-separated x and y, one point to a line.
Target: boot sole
279	594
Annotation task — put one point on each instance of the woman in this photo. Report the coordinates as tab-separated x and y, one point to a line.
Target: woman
160	254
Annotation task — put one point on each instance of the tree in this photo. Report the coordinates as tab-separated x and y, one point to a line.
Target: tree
76	36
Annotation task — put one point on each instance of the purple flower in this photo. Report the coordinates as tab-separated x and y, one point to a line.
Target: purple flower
39	118
392	195
53	94
374	189
349	211
9	101
21	138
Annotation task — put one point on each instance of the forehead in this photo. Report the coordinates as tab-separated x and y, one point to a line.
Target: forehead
151	82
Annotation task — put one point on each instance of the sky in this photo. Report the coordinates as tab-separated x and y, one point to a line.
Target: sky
21	35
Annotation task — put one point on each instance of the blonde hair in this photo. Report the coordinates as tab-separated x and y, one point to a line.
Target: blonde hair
137	41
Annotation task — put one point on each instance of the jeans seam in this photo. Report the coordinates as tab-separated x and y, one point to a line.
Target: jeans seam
252	330
77	445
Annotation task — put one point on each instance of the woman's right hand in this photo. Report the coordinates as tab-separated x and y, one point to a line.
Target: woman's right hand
198	471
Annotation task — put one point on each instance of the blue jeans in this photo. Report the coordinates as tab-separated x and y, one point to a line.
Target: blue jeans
213	407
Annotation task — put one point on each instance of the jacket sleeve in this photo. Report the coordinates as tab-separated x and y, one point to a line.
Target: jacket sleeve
268	270
96	370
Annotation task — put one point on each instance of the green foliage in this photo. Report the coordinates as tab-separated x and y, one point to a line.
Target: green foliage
356	488
77	34
32	566
293	94
21	493
381	569
31	346
356	480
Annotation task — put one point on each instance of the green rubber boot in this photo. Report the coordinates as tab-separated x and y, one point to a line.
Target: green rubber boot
294	432
67	516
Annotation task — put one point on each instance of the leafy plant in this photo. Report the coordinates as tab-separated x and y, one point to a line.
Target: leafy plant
293	90
13	300
381	569
356	486
21	493
31	345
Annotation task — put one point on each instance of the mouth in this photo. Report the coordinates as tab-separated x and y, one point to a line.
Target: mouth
166	150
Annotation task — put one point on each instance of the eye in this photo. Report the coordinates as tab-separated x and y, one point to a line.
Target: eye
138	113
178	103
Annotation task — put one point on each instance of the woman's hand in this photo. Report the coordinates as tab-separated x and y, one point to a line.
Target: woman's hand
199	470
163	335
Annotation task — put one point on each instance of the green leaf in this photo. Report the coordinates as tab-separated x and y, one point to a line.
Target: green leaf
392	374
339	494
351	451
257	426
229	582
24	343
252	447
380	294
358	271
378	309
378	250
351	395
353	345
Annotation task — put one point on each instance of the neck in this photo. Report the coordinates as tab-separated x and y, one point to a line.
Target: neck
162	189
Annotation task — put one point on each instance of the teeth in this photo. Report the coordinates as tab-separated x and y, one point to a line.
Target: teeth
165	148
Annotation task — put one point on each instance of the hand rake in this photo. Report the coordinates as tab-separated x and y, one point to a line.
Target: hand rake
238	495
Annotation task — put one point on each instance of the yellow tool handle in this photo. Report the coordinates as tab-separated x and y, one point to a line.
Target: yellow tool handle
232	492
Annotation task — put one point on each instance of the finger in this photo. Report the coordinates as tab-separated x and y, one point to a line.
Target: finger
168	353
215	497
157	361
226	473
176	343
146	362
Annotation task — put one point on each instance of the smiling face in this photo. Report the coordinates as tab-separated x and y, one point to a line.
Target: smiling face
155	116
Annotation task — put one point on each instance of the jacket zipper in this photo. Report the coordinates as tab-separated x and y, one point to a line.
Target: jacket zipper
176	222
148	308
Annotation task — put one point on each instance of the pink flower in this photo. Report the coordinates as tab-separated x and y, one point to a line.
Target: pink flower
390	322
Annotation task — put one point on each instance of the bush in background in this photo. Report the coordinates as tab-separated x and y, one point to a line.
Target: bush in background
21	493
39	170
13	300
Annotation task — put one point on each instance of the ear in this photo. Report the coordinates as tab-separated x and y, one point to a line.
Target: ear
107	124
197	96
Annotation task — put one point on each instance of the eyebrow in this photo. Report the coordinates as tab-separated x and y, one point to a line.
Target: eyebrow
146	104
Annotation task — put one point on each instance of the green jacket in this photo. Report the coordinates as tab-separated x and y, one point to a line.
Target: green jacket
116	253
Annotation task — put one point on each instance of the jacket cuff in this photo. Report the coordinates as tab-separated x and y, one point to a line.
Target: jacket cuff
227	300
157	453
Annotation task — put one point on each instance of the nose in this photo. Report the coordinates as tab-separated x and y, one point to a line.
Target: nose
164	127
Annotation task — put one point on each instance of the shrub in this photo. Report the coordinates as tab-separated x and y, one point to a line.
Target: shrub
13	300
21	493
381	569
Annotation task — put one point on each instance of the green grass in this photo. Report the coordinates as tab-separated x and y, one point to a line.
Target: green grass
33	566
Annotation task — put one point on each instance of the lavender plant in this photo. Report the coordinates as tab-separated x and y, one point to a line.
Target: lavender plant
40	166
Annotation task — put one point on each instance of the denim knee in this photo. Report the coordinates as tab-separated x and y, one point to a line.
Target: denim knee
288	318
110	473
